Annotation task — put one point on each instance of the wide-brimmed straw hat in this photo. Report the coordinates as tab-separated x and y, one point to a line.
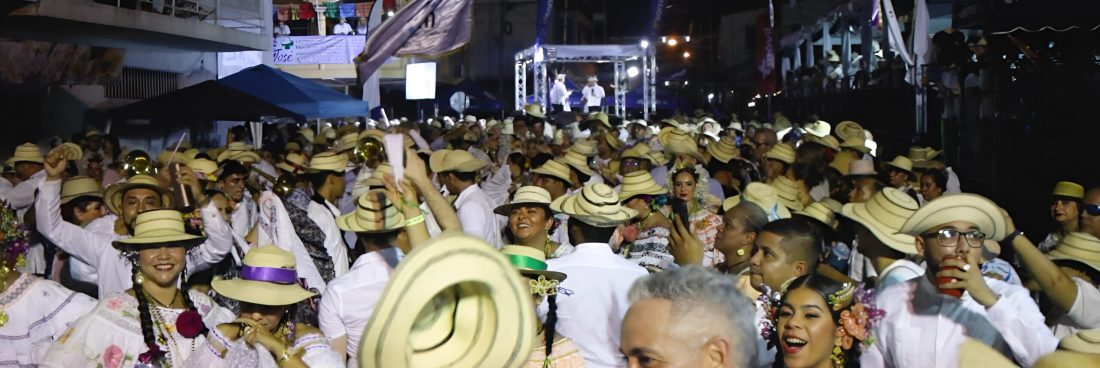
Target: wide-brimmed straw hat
967	207
1068	189
849	129
723	150
158	228
530	262
922	156
376	175
585	147
1079	247
782	152
447	160
820	213
27	152
80	186
826	141
328	161
477	314
525	196
856	143
788	192
902	163
596	205
346	142
534	110
554	168
204	169
818	128
862	168
115	192
578	162
294	163
70	150
373	214
975	353
1084	341
642	151
679	142
842	162
639	183
268	277
762	195
884	214
599	117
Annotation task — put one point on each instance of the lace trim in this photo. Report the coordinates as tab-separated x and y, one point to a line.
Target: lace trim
40	321
22	284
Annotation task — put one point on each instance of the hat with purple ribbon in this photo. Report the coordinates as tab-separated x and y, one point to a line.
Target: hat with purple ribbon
268	277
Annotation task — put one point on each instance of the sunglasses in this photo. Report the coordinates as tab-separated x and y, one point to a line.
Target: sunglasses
1092	209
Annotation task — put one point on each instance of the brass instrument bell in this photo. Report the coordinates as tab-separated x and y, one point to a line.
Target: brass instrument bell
284	185
369	148
138	162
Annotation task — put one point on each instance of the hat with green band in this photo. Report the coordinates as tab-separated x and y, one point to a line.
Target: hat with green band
530	262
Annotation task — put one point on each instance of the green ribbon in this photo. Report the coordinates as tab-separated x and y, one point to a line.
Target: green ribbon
527	263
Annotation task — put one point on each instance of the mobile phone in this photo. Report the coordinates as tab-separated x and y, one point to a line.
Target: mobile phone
679	209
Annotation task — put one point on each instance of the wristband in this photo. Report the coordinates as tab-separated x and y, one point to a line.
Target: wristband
414	220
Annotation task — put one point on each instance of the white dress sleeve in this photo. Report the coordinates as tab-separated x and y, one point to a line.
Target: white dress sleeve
1020	322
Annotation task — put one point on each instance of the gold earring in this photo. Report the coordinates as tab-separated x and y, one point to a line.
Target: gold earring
139	279
741	252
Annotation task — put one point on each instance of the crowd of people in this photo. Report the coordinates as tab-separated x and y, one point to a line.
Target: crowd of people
523	242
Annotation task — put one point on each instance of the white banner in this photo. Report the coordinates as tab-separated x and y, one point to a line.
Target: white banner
317	49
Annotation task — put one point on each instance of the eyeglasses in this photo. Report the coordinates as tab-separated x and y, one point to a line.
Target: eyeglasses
950	237
1092	209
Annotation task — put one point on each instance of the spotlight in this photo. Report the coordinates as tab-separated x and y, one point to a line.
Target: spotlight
687	54
632	72
645	44
687	38
666	83
672	42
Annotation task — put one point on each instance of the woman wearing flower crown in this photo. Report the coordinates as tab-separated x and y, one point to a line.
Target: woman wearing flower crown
551	350
33	311
821	323
690	185
156	323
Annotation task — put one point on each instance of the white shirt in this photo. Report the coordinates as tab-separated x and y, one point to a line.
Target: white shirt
900	271
347	304
284	30
593	95
325	218
96	249
558	94
923	328
952	182
39	311
475	213
244	216
21	196
342	29
81	271
1085	312
592	301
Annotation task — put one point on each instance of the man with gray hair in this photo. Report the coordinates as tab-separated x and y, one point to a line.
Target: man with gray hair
689	317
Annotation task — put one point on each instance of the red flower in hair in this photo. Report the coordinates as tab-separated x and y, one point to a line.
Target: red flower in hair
153	355
189	324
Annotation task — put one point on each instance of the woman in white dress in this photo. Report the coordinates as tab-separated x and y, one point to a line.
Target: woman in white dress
33	311
154	324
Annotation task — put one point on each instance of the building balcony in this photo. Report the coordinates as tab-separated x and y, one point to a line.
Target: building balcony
191	25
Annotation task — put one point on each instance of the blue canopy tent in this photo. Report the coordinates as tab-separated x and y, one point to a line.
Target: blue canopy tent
295	94
480	100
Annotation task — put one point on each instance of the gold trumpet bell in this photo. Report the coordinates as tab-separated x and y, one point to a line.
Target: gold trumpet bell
284	185
370	149
138	162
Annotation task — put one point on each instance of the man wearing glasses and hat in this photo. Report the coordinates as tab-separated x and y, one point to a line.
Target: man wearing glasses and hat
953	301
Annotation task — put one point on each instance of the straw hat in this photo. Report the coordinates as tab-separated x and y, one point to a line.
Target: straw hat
157	228
585	147
884	214
446	160
596	205
723	150
788	192
115	192
92	133
922	157
818	128
346	142
189	155
862	168
80	186
856	143
1062	358
375	179
642	151
476	314
268	277
849	129
579	162
306	133
902	163
1085	341
832	204
1080	247
736	125
328	161
762	195
679	142
534	110
599	117
27	152
375	133
530	262
827	141
820	212
639	183
373	214
554	168
70	150
241	155
1069	189
967	207
525	196
975	353
731	202
328	132
612	140
293	163
204	169
782	152
842	162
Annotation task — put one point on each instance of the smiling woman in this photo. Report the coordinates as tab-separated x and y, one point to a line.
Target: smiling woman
822	323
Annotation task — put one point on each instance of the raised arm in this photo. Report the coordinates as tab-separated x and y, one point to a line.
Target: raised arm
219	237
441	209
1058	286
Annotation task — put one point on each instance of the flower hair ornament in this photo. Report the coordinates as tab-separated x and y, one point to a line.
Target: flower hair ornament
544	287
769	302
702	185
858	318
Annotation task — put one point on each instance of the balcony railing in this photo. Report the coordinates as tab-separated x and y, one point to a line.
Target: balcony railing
237	14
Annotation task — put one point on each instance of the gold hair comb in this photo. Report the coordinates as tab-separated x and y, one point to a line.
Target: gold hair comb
544	287
843	297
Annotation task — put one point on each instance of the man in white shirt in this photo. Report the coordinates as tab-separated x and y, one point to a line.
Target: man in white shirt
593	299
559	95
593	95
327	177
342	28
457	170
876	223
554	177
928	318
231	177
139	194
282	29
27	162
